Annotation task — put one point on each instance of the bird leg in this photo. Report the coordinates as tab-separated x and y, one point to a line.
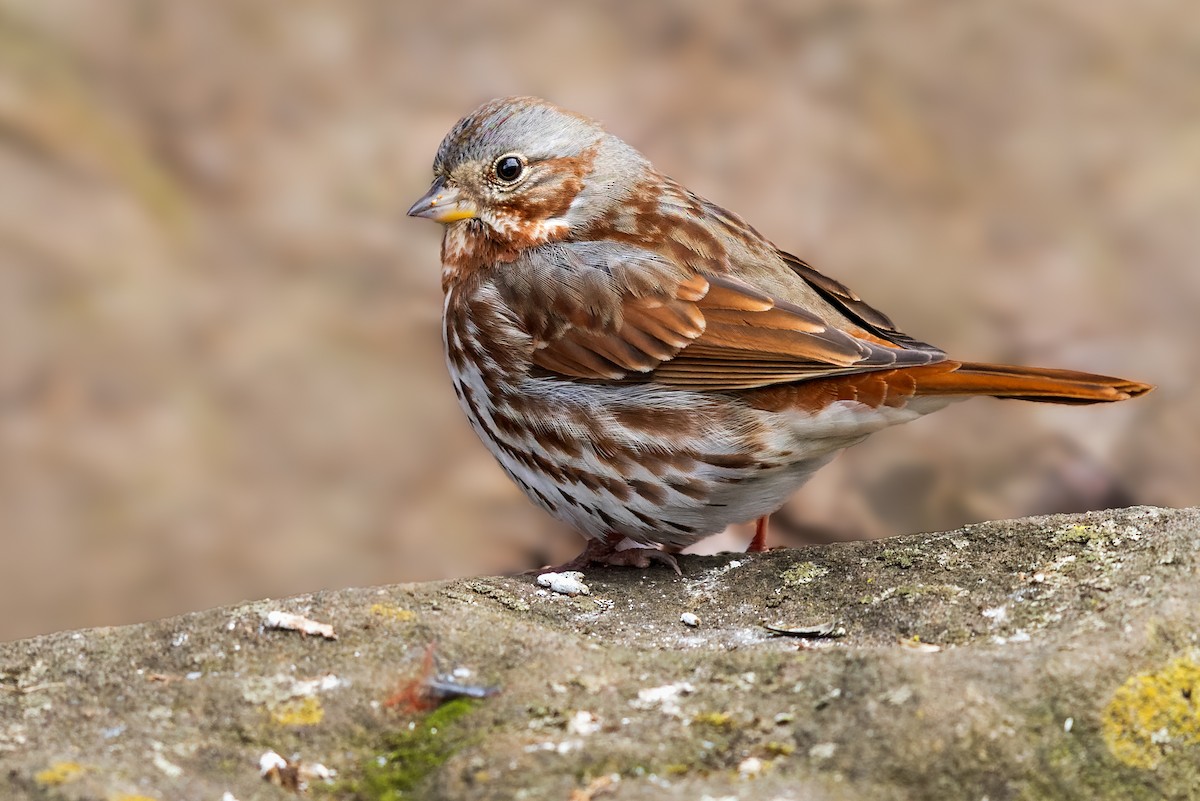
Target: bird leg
759	543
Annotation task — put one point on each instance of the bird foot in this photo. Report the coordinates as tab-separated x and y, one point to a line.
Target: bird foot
605	553
640	557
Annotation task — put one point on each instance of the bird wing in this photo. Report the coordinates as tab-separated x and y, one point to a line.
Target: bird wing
855	309
624	314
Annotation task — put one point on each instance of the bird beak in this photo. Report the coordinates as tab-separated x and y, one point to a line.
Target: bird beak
443	203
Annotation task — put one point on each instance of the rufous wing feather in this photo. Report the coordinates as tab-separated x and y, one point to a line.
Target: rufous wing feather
716	333
1041	384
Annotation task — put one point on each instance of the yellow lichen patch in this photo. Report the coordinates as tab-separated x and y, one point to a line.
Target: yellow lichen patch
299	712
718	720
60	773
395	613
1151	713
1077	534
803	573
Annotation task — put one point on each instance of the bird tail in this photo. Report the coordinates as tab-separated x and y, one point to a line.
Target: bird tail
1040	384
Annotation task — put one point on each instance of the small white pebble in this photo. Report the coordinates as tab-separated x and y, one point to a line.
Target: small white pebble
583	723
289	622
271	761
751	766
569	583
1068	724
997	614
688	619
822	750
317	771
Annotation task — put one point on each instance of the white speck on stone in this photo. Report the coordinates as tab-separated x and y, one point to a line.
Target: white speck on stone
228	796
823	751
195	674
297	688
1039	578
1020	636
289	622
996	614
569	583
1161	737
665	698
750	767
689	619
1068	724
270	761
734	565
316	771
899	695
583	723
462	673
565	747
166	766
180	639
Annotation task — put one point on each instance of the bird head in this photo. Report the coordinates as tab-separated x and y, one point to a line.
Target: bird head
522	171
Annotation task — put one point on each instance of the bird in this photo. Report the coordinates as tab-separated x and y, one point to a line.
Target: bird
643	363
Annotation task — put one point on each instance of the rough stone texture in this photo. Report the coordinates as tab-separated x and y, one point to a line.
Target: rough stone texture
1047	658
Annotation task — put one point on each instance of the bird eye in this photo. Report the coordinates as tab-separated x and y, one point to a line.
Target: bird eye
509	168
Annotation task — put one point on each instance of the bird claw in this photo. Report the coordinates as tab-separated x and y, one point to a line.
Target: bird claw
640	557
605	553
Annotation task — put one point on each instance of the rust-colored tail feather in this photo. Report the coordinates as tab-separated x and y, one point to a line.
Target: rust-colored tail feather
1029	383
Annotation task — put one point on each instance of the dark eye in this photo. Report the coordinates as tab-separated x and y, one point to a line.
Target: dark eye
509	168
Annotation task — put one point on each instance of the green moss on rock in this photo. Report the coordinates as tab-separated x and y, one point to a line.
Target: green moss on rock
410	757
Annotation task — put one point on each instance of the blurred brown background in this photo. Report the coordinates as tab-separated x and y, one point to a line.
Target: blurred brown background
220	361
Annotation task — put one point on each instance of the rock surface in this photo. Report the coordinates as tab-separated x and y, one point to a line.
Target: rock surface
1048	658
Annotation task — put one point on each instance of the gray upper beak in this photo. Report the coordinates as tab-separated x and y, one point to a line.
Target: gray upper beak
443	203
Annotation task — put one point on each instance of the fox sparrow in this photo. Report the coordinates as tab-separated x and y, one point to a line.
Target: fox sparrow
643	363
